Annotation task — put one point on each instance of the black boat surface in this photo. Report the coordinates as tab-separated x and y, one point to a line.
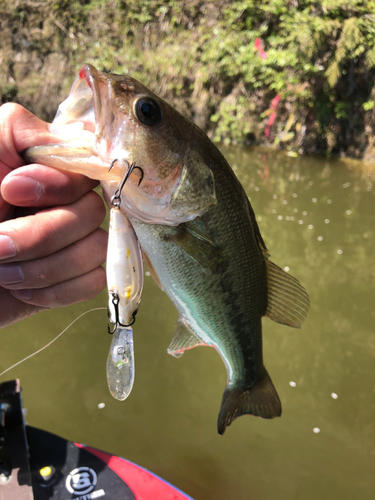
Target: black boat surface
38	465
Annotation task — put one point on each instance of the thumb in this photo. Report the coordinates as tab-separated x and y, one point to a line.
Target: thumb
19	130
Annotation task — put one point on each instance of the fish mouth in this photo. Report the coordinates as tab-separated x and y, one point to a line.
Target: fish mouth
90	75
99	102
91	141
101	136
84	102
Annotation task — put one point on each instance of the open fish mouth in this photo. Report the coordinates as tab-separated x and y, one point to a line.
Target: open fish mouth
94	102
79	107
109	122
77	124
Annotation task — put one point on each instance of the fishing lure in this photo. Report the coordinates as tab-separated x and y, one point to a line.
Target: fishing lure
125	283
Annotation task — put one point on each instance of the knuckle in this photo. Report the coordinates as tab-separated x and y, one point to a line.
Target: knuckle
48	236
96	282
94	206
79	289
66	187
47	274
48	297
99	244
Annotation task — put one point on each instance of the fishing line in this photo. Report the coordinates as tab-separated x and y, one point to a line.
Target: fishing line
52	341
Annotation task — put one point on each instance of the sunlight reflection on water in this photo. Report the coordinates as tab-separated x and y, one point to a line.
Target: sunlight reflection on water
317	217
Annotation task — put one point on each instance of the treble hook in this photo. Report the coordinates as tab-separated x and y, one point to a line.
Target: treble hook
116	198
117	323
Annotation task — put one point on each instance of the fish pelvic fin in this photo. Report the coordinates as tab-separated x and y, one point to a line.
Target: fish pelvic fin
287	301
260	400
184	338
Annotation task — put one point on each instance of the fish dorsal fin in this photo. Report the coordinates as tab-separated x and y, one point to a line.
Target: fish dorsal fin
184	338
197	246
261	243
288	302
254	223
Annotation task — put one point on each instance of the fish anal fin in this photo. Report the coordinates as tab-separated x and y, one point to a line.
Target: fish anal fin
151	270
184	338
287	300
260	400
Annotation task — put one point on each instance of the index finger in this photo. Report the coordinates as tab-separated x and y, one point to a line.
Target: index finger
50	230
41	186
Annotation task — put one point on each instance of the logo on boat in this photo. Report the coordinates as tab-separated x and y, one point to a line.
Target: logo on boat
81	480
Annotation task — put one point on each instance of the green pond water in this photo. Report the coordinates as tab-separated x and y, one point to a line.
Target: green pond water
317	217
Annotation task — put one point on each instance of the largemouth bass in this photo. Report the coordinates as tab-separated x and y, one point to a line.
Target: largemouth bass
199	238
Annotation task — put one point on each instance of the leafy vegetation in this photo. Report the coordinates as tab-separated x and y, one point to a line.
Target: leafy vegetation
204	58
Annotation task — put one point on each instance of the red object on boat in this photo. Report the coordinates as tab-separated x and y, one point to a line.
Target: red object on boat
144	484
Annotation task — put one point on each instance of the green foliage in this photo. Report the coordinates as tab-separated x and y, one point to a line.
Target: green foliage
367	106
201	57
9	93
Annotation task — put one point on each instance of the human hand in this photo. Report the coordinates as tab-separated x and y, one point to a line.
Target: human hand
51	246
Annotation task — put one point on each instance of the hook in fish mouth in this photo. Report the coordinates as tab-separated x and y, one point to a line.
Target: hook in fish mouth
116	198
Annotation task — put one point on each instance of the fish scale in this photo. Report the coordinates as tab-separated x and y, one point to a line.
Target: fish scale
225	307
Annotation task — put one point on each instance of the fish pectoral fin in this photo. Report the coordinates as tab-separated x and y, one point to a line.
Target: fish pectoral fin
197	246
260	400
184	338
288	302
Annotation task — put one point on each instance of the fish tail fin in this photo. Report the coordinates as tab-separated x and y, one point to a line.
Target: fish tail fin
260	400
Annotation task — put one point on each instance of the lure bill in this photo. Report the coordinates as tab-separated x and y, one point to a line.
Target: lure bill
120	363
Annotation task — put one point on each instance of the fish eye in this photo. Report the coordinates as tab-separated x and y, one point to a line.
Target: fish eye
147	111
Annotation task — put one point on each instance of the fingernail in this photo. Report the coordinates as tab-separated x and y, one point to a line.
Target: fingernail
21	189
7	247
10	273
22	294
